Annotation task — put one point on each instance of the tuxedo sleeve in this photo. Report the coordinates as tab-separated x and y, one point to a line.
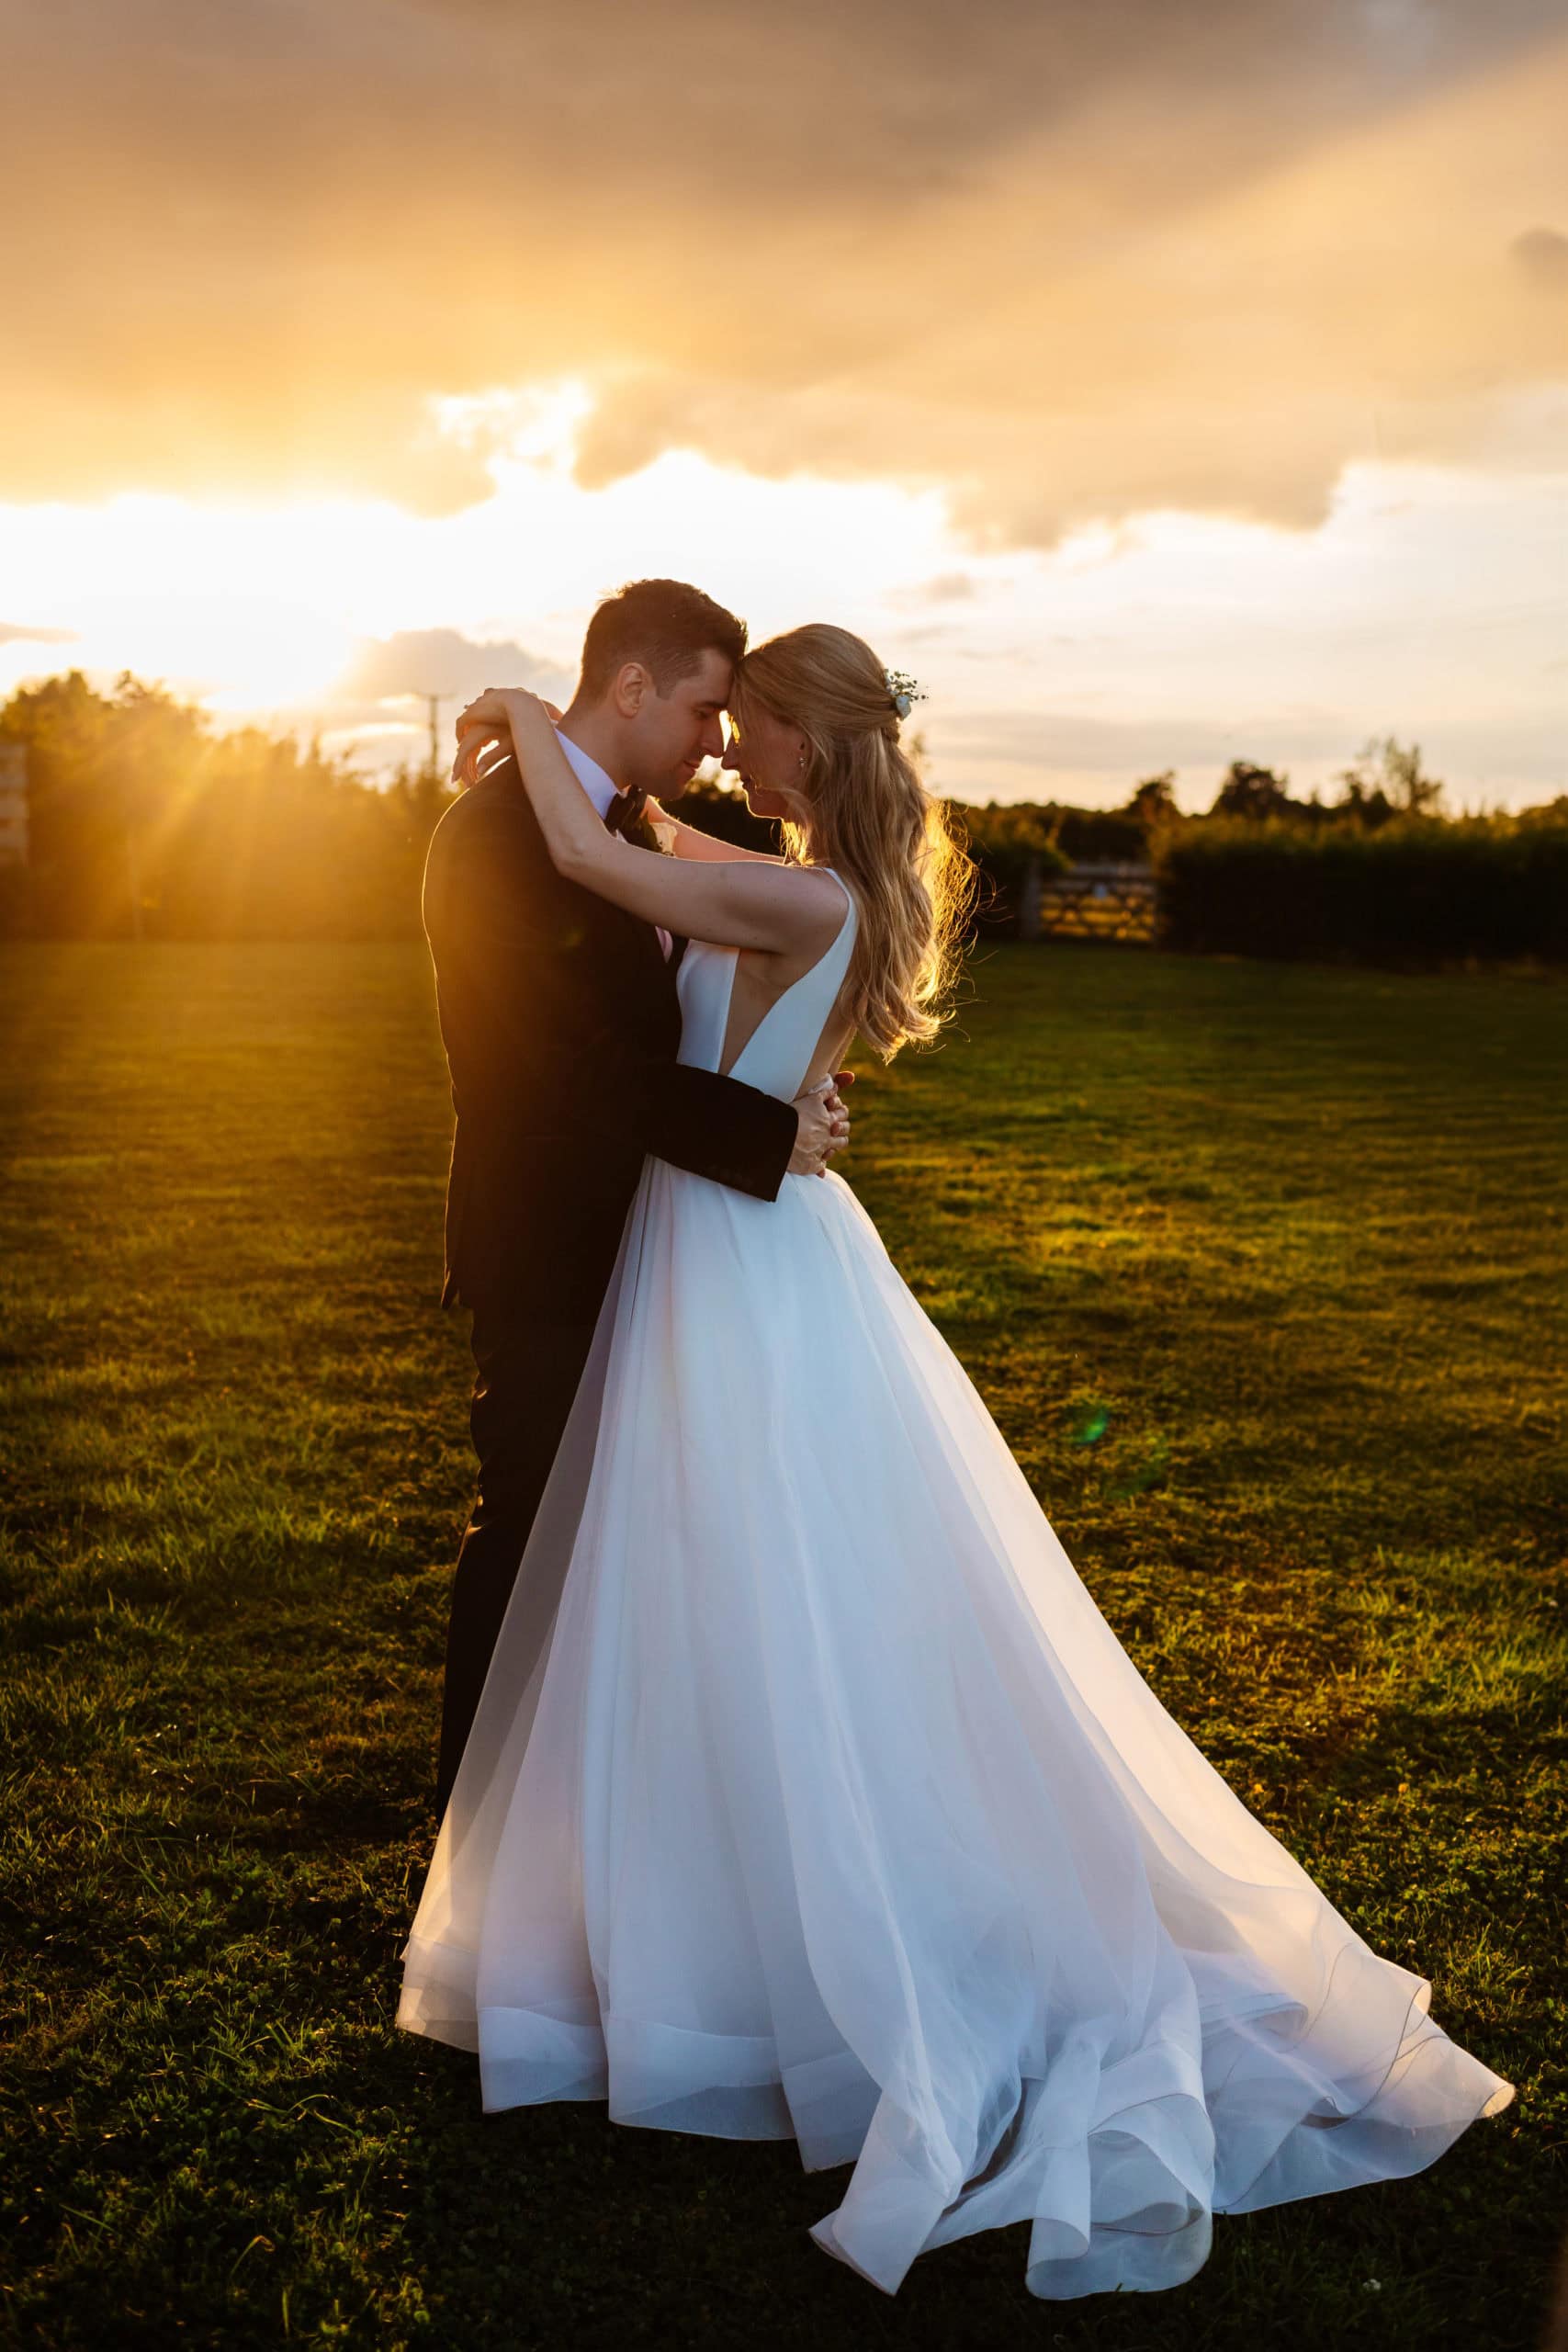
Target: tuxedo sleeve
715	1127
530	946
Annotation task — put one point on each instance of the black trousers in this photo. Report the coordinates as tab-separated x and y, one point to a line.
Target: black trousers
527	1376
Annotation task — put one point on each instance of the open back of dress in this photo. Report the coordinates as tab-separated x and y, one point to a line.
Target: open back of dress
777	1056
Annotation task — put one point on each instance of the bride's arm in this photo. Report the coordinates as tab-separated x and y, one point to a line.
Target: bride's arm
676	837
690	841
740	902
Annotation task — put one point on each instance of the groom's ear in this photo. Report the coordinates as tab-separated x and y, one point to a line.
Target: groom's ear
632	685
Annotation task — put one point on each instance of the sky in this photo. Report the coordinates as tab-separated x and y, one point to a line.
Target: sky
1160	383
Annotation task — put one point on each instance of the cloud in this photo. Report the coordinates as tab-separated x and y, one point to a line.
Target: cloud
377	709
1063	262
414	663
1542	255
946	588
32	633
1229	351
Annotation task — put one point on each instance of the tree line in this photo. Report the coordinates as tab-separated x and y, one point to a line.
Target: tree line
149	822
1380	872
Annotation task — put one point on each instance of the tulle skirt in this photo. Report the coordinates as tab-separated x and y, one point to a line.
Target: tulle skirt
811	1796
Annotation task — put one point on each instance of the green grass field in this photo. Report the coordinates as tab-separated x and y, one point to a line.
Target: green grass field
1261	1271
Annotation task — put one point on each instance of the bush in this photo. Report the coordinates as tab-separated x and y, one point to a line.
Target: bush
17	919
1416	890
1090	836
145	823
1007	841
721	809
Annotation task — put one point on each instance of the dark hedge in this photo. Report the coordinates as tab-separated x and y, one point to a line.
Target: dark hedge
1418	891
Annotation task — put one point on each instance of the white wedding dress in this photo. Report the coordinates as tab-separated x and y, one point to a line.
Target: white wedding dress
810	1795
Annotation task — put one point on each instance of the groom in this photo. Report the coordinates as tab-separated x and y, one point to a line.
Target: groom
560	1020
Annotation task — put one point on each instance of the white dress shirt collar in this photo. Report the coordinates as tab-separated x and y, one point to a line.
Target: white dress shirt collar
603	789
599	787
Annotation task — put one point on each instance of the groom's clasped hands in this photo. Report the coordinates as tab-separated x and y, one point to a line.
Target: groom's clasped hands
485	739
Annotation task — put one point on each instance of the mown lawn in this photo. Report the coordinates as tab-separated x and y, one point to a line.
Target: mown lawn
1262	1272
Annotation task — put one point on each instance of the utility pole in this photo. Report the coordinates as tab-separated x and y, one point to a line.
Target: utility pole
434	703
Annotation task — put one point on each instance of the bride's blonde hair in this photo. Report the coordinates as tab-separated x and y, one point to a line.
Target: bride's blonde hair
873	821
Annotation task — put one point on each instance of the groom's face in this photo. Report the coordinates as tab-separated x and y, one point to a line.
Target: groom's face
672	734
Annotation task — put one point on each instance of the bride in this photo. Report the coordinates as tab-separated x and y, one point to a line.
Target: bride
810	1796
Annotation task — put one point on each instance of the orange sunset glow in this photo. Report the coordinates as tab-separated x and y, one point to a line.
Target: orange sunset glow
1160	386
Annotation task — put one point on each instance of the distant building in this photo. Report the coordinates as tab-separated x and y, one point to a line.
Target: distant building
12	804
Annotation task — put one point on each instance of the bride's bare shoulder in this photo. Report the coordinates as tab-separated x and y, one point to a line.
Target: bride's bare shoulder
825	899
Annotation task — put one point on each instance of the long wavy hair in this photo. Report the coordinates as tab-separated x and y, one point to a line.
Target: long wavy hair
871	818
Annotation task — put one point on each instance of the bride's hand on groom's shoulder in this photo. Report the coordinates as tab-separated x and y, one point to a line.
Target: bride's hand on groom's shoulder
478	755
485	732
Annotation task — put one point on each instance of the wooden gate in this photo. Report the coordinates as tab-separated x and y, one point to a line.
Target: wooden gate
1095	900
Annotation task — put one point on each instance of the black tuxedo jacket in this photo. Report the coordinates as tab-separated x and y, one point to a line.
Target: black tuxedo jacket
560	1020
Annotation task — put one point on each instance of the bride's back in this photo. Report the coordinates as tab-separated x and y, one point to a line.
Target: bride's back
779	1053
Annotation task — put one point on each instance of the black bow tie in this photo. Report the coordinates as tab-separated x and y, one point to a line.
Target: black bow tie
625	810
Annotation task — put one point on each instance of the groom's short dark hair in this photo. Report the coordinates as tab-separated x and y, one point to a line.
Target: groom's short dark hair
666	624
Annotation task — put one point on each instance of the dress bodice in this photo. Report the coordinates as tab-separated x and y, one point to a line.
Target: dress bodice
776	1057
